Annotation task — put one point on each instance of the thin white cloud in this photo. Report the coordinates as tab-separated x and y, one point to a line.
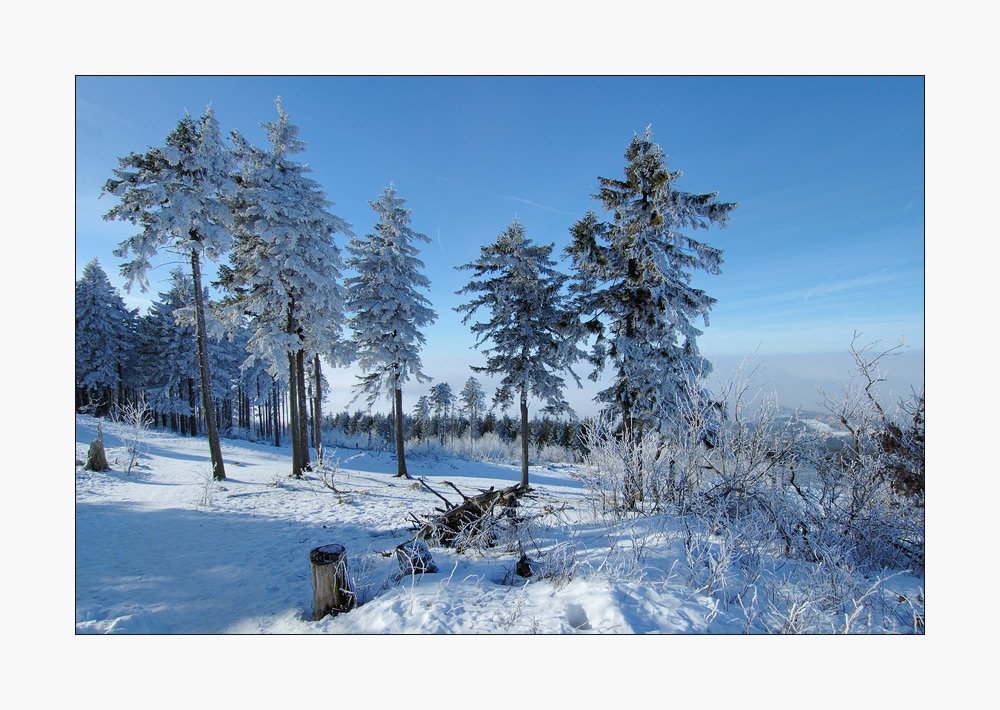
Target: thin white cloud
501	197
529	202
441	246
92	115
827	288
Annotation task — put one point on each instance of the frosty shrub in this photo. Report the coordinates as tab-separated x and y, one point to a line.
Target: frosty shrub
871	492
833	597
496	529
134	417
735	463
489	448
337	438
329	469
206	498
710	549
557	564
366	587
751	491
246	434
612	459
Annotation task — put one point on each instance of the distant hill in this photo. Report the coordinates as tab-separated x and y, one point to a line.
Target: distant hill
812	421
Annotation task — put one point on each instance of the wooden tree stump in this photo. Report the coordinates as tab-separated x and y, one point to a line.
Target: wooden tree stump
332	591
97	460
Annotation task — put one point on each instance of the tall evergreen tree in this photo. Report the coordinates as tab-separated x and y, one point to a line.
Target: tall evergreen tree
169	363
473	401
532	333
388	311
177	192
441	399
285	268
634	280
421	416
104	328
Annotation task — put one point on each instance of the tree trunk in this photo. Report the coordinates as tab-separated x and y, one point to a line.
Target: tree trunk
96	458
274	407
398	415
239	407
293	409
311	395
300	372
524	439
332	593
318	411
121	387
633	466
207	402
193	404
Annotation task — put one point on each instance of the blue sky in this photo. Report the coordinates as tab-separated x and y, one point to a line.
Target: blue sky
829	174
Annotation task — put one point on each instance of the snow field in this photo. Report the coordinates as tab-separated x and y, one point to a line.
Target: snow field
165	550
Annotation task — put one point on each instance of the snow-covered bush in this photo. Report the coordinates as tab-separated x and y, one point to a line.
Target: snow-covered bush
874	488
557	565
134	418
328	470
488	448
612	460
750	493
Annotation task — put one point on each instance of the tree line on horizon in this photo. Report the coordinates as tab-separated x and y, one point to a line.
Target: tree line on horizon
627	306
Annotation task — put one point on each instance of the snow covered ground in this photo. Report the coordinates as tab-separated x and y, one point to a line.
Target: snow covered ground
166	550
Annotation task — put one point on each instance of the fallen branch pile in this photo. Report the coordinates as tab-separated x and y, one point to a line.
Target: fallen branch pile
473	521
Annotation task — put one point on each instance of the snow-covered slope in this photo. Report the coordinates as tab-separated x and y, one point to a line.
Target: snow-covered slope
166	550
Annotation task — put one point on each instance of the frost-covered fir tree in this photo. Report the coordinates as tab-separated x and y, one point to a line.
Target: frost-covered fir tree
634	280
473	401
177	194
441	399
421	416
285	268
387	309
168	356
532	333
104	334
228	351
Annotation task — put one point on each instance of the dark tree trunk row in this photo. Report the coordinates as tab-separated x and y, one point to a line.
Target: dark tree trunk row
318	410
524	438
293	405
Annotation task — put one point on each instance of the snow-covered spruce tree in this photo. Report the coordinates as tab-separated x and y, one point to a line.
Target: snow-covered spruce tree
532	331
633	279
104	329
473	401
421	416
227	353
168	364
177	194
285	268
387	309
441	400
228	356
